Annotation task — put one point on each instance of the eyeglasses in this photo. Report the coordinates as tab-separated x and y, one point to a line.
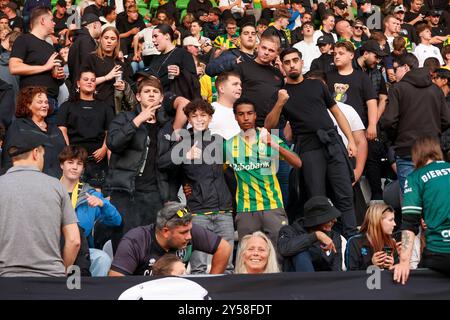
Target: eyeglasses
180	213
358	27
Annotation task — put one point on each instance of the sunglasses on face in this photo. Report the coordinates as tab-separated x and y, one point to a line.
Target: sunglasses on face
358	27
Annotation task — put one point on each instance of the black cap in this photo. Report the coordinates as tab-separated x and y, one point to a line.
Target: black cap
373	46
319	210
89	18
324	40
62	3
433	13
26	140
341	4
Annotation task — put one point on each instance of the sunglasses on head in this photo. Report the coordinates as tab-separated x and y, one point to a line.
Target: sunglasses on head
180	213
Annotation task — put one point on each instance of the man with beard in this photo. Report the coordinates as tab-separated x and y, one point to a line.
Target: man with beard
317	142
371	54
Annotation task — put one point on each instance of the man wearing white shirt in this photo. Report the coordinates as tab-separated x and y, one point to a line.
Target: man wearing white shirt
307	47
328	22
425	49
391	29
148	50
229	89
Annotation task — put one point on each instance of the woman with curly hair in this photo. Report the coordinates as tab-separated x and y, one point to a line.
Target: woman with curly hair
31	113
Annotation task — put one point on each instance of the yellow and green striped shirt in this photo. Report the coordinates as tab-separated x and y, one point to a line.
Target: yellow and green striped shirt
255	166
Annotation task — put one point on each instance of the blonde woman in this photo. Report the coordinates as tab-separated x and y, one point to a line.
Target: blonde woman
256	254
375	244
109	68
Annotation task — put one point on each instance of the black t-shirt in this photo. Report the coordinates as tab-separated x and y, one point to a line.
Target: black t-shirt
306	111
259	84
410	16
34	51
147	180
16	22
354	89
60	23
86	122
125	26
177	56
101	67
138	251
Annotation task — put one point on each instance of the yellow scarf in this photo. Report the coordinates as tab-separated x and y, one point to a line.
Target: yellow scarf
74	195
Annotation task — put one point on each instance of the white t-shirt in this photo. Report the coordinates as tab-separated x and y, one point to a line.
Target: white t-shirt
149	47
274	2
223	122
422	52
310	51
225	3
352	117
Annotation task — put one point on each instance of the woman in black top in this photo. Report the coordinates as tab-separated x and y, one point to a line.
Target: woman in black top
108	67
31	113
173	63
84	121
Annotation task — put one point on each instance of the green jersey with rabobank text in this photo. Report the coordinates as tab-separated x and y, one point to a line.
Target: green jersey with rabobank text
427	193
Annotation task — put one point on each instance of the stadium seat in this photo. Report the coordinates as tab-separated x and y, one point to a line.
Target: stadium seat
108	249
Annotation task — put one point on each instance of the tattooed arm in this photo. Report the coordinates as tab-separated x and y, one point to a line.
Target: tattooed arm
401	270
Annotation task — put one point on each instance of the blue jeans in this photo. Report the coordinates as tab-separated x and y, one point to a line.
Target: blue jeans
222	225
302	262
137	66
100	263
404	167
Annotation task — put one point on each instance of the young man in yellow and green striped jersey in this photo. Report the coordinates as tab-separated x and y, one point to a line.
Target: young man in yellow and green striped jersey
253	154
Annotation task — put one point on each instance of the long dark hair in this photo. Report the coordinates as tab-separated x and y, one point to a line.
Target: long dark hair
164	28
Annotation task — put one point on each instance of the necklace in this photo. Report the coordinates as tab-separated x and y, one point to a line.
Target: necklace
43	126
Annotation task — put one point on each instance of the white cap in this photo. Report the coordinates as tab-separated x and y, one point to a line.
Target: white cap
191	41
399	8
170	288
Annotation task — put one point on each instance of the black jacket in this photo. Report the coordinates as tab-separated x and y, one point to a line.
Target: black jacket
209	189
82	46
128	145
359	252
55	137
416	107
7	105
226	62
294	239
323	63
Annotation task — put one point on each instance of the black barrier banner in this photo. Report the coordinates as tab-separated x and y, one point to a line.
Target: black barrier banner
422	285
